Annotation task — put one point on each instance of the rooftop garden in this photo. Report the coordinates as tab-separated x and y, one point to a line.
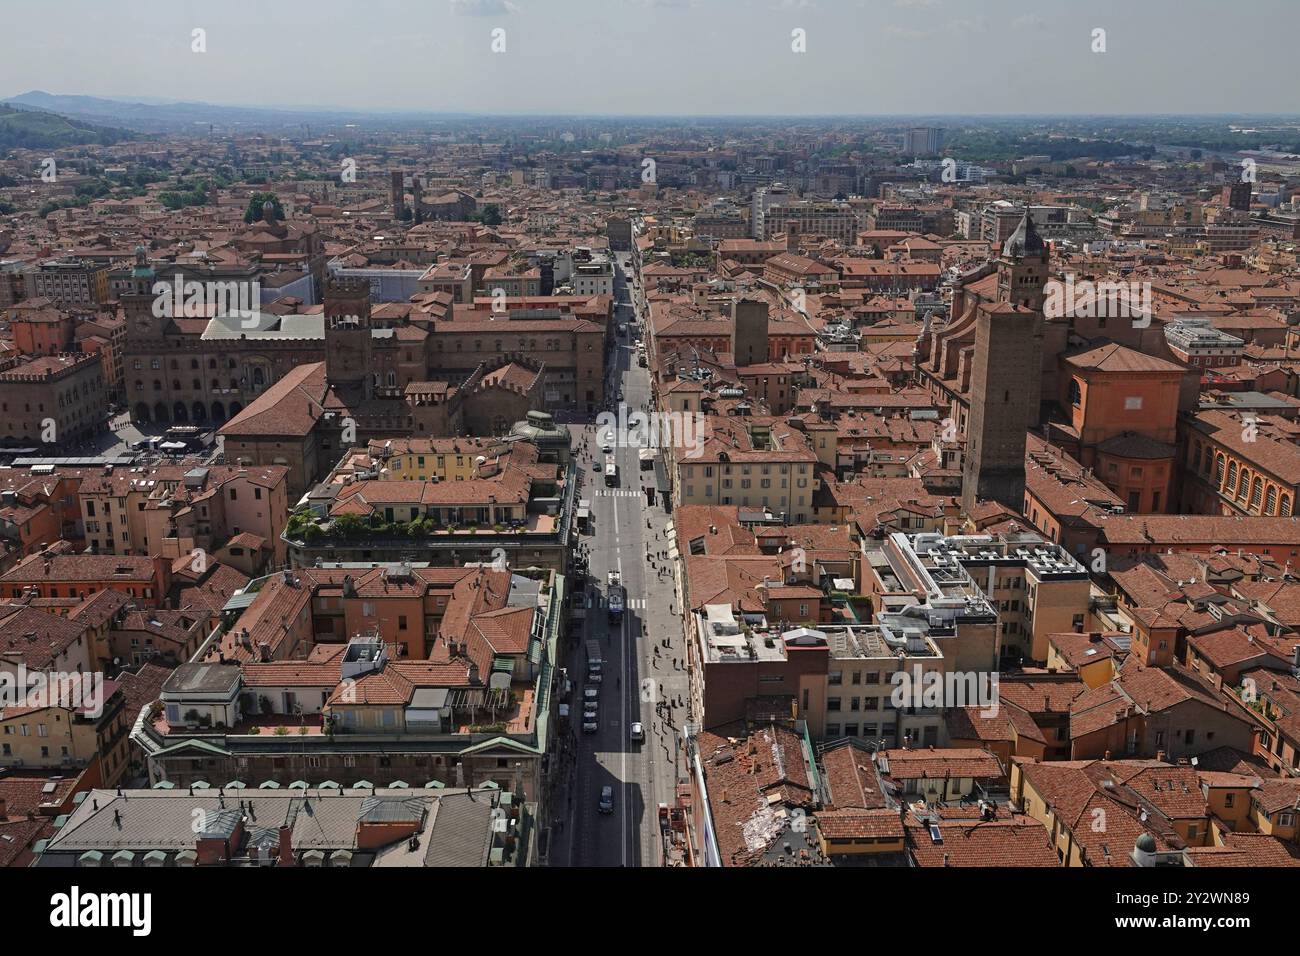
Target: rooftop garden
307	528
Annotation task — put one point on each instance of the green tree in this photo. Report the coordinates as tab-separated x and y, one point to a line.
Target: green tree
347	526
490	215
254	209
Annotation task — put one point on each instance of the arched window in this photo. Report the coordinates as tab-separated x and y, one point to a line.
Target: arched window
1232	478
1270	506
1285	509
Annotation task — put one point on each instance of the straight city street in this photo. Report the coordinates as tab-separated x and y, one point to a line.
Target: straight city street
643	675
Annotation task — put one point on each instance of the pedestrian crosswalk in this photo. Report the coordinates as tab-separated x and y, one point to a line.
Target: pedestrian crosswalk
631	604
618	493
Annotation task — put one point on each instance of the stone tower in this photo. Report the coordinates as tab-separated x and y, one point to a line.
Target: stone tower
1006	374
347	335
749	324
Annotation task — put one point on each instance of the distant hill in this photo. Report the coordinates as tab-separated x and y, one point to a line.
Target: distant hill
151	115
37	129
162	116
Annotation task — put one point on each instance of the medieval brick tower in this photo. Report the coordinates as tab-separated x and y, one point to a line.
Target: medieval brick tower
1006	375
397	193
347	335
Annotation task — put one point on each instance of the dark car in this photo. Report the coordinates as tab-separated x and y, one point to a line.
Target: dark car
606	804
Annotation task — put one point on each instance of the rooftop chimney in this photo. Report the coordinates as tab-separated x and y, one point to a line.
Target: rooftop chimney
286	845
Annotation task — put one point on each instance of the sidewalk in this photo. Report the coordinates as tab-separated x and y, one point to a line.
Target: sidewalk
672	682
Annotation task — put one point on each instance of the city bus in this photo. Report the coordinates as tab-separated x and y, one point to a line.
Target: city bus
611	471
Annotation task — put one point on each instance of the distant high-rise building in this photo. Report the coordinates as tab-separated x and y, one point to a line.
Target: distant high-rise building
923	141
1006	375
765	197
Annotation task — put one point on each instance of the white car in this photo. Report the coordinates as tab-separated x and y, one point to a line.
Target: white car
638	733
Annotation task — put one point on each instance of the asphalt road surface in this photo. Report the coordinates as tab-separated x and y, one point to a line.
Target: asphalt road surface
642	653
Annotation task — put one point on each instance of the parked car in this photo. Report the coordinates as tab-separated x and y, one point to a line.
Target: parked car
638	733
606	804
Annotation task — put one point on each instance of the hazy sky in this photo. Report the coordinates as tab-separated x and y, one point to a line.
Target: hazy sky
668	56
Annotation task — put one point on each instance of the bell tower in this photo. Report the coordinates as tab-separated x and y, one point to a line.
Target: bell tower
347	335
1006	374
1023	266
